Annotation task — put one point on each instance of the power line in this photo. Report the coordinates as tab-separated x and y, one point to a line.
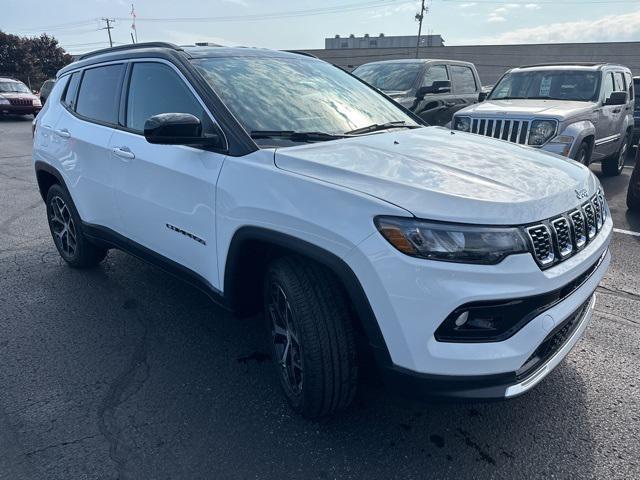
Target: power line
544	2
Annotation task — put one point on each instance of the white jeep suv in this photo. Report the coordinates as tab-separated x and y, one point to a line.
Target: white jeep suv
277	182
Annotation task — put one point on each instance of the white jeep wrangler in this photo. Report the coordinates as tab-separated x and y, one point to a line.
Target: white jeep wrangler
277	182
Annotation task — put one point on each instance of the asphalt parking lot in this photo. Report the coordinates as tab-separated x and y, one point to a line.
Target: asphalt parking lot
123	372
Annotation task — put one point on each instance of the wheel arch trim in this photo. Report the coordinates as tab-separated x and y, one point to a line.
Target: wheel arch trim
335	264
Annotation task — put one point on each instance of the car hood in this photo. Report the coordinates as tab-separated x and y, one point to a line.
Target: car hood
25	96
548	108
440	174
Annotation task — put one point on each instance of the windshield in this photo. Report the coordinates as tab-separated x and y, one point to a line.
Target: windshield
296	94
389	76
13	87
549	85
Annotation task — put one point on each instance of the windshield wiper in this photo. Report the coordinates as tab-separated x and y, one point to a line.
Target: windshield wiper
296	136
381	126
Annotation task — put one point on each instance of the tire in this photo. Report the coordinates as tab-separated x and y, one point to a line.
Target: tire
583	155
311	336
66	230
633	193
614	165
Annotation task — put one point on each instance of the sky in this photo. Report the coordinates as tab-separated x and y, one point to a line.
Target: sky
303	24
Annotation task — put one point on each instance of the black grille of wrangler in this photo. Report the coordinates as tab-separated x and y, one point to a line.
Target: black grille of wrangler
558	238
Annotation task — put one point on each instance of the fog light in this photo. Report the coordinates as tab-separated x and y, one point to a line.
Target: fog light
462	319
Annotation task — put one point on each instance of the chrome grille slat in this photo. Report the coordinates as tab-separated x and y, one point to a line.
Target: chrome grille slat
543	250
562	233
579	228
514	131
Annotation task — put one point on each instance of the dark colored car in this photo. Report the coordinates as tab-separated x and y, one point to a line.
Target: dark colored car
633	193
636	112
432	89
17	99
45	90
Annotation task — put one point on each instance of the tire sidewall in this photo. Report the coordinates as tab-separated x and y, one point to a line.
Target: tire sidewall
296	400
58	191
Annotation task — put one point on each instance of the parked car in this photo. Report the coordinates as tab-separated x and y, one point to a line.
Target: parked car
636	112
45	90
581	111
633	192
467	265
432	89
17	99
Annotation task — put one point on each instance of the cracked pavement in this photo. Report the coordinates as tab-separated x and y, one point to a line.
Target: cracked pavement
123	372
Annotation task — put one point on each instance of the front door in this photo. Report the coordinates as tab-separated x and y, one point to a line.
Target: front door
166	193
611	117
435	108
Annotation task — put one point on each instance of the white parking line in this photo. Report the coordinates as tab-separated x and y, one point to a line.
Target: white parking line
627	232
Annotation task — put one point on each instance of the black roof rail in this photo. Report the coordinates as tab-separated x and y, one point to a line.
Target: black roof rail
572	64
300	52
132	46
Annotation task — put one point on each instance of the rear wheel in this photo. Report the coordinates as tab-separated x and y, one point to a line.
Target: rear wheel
312	337
614	165
66	230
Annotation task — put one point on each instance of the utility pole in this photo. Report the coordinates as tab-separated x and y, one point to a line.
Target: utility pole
108	28
419	17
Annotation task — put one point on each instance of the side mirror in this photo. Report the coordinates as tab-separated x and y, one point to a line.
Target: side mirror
440	86
482	96
617	98
178	129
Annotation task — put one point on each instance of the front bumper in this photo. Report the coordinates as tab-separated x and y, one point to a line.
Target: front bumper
411	297
19	110
490	387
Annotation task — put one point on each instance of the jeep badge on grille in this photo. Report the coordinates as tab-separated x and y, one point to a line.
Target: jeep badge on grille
582	193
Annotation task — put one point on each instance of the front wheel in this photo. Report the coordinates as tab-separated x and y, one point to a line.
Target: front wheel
312	336
583	155
614	165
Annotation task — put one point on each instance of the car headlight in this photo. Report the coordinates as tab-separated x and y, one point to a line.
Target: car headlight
451	242
4	101
462	123
37	102
541	131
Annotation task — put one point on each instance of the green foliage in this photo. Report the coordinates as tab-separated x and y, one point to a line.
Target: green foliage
31	60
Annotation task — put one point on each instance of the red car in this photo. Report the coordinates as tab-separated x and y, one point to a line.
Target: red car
17	99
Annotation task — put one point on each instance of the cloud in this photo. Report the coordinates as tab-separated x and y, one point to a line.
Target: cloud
532	6
242	3
390	10
467	5
496	19
611	28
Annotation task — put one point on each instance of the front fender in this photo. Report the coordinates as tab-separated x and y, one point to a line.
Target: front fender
580	130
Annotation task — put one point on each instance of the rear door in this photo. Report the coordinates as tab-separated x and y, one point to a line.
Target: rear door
82	135
435	108
465	87
166	193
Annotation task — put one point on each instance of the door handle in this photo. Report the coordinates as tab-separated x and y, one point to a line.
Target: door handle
123	152
64	133
617	110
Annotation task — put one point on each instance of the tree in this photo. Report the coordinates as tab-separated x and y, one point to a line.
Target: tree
31	60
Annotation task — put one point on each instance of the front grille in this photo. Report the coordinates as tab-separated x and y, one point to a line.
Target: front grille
554	342
542	243
515	131
558	238
21	102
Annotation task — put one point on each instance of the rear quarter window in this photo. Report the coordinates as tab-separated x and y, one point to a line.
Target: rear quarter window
98	98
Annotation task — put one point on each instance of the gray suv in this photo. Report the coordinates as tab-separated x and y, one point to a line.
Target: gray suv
581	111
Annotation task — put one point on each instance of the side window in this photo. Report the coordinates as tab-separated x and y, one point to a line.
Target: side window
607	87
619	81
463	79
629	80
156	88
98	96
435	73
70	95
